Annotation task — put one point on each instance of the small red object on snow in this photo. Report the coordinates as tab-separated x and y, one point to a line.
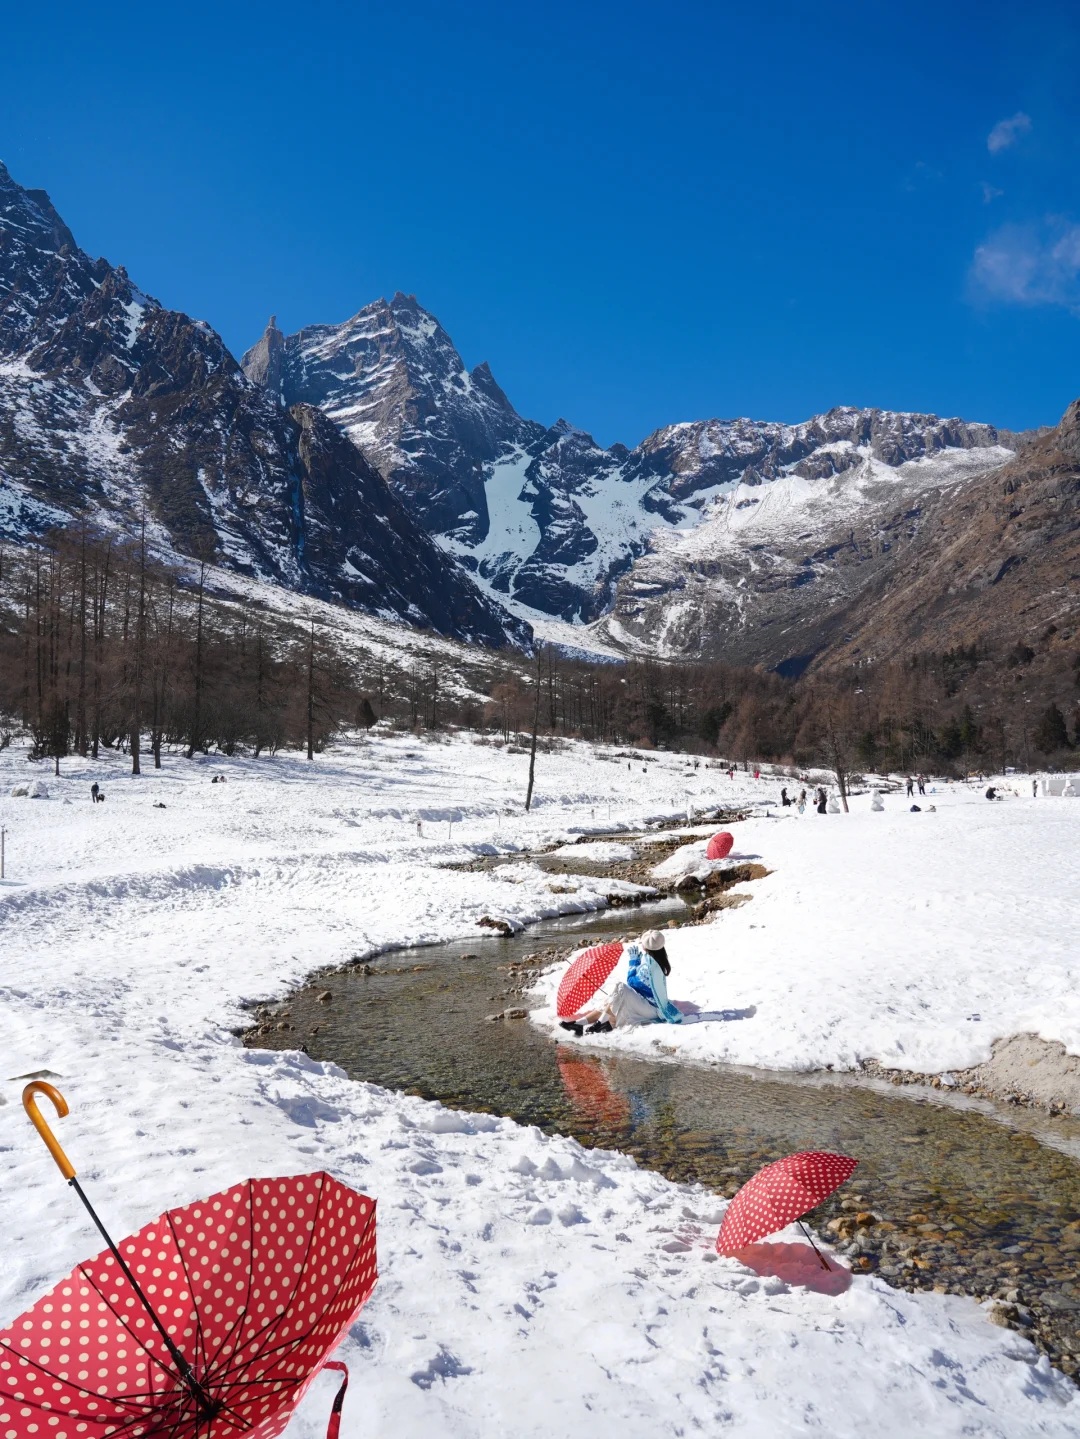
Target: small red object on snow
585	976
780	1193
720	845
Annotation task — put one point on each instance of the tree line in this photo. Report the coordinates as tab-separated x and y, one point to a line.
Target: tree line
102	645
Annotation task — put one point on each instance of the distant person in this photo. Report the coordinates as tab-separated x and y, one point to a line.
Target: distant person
910	786
95	789
1034	789
992	793
822	802
784	798
922	784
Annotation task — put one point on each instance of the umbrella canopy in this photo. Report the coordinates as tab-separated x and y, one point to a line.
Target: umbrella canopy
780	1193
585	976
211	1321
719	846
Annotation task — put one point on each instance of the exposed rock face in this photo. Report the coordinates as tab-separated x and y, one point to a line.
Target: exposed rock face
998	560
794	523
391	378
111	405
739	538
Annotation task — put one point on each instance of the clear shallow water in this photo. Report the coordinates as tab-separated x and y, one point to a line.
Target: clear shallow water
944	1196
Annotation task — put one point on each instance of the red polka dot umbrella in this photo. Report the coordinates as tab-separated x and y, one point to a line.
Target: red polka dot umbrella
719	847
780	1193
585	976
211	1321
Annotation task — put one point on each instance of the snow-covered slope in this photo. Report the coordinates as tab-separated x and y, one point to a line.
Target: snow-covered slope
775	554
528	1287
719	536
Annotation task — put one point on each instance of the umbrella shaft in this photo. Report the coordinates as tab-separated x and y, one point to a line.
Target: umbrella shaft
824	1262
207	1408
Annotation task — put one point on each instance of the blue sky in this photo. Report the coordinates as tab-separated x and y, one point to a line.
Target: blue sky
637	213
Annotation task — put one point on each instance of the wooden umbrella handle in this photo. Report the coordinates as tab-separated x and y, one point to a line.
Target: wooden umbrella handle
63	1163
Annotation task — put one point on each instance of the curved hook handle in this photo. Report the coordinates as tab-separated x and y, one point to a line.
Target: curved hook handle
63	1163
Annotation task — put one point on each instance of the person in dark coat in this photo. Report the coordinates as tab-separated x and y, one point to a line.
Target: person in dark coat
822	802
94	792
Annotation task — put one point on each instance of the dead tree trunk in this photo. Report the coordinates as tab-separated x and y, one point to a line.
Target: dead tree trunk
535	727
196	716
311	692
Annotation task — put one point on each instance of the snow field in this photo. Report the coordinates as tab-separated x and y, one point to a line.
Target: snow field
528	1286
913	939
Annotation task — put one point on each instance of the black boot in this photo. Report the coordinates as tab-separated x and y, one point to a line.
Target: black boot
573	1026
602	1028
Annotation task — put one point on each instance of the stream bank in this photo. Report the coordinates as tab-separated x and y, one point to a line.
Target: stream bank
956	1196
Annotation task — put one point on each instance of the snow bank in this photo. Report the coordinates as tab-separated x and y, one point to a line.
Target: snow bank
913	939
528	1286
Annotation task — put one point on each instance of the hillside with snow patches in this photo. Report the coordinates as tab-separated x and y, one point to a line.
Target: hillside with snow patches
741	537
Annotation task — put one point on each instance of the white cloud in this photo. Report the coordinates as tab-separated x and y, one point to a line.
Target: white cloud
990	192
1007	132
1036	264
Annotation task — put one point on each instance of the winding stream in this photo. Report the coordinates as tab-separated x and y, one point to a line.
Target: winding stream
956	1195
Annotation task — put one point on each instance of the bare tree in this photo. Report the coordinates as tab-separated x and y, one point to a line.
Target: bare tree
140	655
195	736
535	727
311	692
839	745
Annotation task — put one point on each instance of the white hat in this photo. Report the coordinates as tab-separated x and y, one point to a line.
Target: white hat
652	939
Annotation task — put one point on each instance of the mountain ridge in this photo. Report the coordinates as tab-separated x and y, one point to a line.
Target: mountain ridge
707	537
112	405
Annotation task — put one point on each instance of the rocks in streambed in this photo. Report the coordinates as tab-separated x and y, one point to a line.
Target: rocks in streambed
502	926
507	1014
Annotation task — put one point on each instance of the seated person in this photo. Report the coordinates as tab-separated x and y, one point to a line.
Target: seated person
643	999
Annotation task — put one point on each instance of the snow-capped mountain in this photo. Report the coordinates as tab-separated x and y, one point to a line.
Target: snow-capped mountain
729	537
443	506
785	526
391	378
113	408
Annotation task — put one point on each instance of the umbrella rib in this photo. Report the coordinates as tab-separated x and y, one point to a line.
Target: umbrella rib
78	1389
287	1344
269	1323
191	1288
146	1407
121	1320
211	1359
278	1318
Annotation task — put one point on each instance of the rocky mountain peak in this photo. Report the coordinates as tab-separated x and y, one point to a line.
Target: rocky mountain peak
112	406
391	377
262	363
